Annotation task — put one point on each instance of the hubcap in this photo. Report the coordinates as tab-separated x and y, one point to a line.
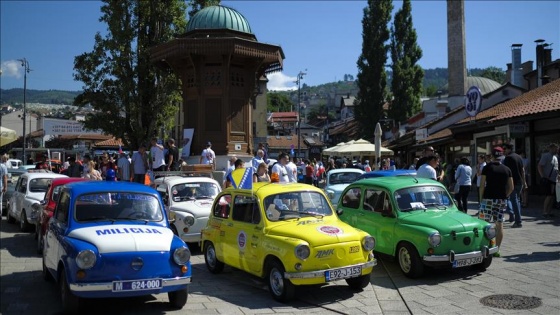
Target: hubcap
276	282
211	256
404	259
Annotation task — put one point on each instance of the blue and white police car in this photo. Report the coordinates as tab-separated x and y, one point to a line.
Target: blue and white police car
112	239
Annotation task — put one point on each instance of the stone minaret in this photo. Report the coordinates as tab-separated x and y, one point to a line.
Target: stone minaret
456	55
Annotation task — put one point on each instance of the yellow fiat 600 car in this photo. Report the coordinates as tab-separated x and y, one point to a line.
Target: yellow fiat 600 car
287	234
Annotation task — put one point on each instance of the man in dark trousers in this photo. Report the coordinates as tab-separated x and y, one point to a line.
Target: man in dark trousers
496	184
515	164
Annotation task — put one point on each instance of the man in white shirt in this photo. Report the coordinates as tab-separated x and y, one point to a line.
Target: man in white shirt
158	156
123	168
428	169
207	156
257	160
291	168
280	169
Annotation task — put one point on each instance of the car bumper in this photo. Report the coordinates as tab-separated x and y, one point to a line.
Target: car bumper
101	289
191	237
320	274
485	252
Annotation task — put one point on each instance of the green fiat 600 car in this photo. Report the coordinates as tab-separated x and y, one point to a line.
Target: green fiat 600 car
416	221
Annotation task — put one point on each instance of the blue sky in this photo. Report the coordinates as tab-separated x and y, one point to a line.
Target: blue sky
322	38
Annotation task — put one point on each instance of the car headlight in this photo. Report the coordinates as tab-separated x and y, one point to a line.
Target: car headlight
434	239
368	243
181	255
86	259
490	231
302	251
188	220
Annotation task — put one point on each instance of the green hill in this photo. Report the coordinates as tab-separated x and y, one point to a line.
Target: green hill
15	96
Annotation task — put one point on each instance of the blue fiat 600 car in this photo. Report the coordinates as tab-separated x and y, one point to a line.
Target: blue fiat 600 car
112	239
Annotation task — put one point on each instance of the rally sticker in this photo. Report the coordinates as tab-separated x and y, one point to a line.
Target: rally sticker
242	240
330	230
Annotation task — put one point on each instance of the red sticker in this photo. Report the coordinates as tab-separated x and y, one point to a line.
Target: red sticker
330	230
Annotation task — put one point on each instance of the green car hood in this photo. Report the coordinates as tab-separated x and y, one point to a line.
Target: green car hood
317	232
443	221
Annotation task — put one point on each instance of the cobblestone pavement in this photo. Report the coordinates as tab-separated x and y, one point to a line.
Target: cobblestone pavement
529	266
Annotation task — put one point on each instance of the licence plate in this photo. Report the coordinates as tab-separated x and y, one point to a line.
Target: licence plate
467	262
137	285
343	273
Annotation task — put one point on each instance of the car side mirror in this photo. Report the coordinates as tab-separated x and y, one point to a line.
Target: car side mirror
339	212
43	202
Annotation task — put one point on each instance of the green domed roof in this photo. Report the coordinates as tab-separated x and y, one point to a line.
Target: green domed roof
219	17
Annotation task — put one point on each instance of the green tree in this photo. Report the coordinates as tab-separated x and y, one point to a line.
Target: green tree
406	83
197	5
494	73
372	78
278	102
132	98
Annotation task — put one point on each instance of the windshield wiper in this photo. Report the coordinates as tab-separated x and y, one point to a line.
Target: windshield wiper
313	214
434	204
203	197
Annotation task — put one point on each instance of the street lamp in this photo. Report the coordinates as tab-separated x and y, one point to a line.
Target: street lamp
298	81
25	65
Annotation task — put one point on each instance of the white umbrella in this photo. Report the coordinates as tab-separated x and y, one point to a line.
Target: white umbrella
7	136
328	151
361	148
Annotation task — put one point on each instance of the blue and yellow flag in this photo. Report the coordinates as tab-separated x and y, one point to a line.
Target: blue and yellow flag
241	178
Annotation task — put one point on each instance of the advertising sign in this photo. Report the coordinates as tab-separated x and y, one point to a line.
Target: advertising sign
63	127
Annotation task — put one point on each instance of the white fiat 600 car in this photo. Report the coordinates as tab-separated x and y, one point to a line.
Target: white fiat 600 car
24	205
188	201
338	179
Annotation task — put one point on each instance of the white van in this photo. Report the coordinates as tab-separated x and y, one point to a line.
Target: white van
13	163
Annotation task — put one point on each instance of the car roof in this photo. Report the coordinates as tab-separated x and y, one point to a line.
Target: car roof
32	175
101	185
173	180
397	182
266	189
346	170
385	173
65	180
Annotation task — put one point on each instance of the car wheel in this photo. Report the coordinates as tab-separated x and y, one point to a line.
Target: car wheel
486	262
46	273
24	226
359	282
9	217
211	260
282	289
409	261
70	302
178	299
40	243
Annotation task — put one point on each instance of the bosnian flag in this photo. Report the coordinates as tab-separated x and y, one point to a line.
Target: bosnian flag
241	178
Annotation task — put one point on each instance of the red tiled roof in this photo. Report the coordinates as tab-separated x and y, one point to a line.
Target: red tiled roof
87	136
284	142
438	135
540	100
283	117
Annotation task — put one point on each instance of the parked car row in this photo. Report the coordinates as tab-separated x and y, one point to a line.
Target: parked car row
116	239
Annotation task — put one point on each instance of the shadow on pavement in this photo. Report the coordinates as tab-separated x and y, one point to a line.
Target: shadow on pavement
21	244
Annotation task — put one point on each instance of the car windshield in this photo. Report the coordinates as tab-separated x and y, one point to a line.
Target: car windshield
343	178
295	205
194	191
39	184
422	198
117	206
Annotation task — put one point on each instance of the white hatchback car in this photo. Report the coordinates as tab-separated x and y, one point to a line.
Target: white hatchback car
338	179
24	205
188	202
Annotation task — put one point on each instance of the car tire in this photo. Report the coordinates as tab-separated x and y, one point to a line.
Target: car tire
211	259
46	273
9	217
24	226
409	261
178	299
486	262
281	289
359	283
70	302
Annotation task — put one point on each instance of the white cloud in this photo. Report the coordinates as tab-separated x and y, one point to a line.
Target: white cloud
12	68
278	81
